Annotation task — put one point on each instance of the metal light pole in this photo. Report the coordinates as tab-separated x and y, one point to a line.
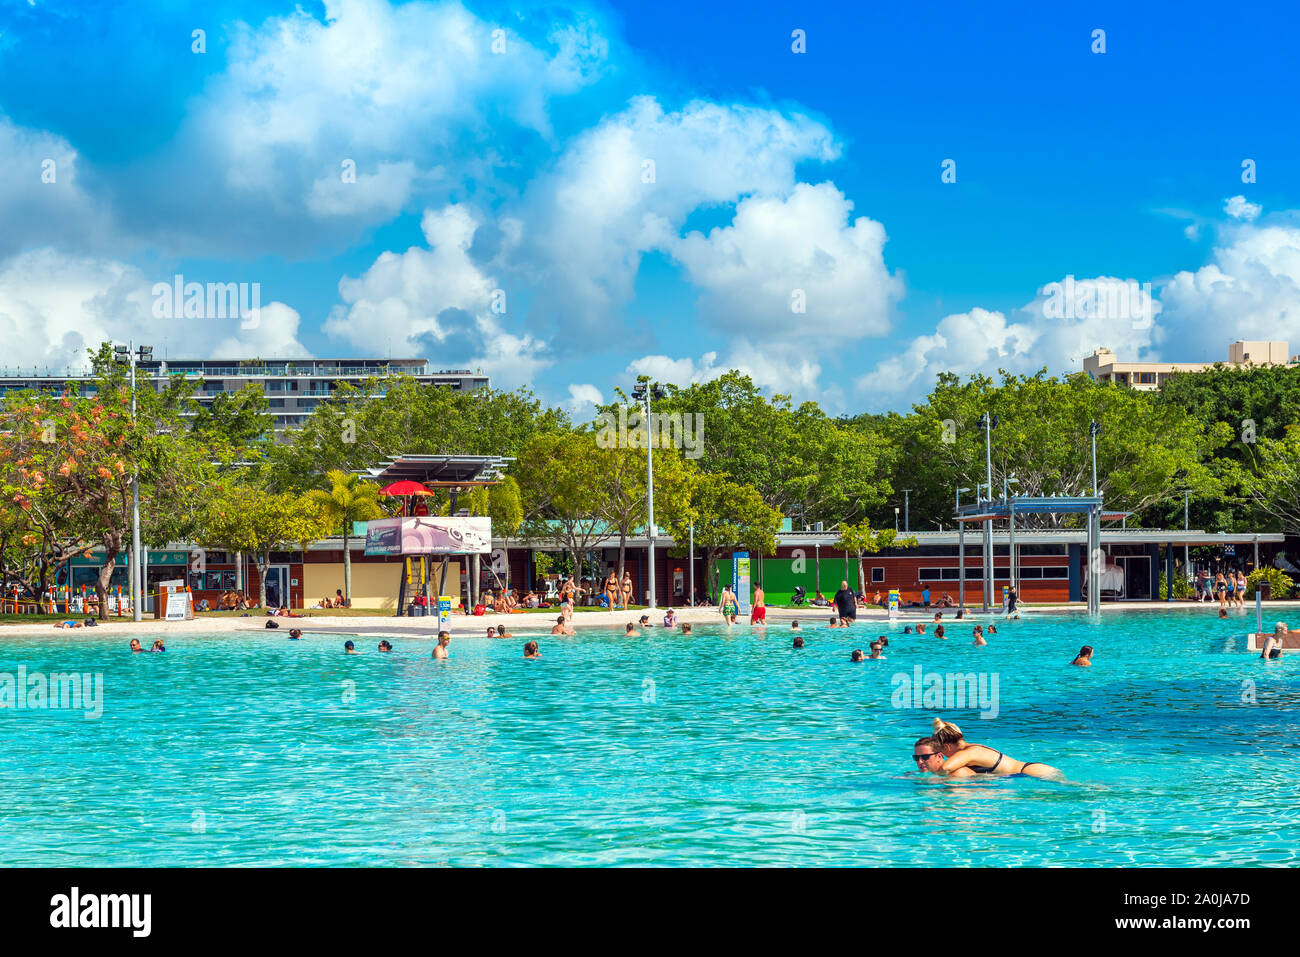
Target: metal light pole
1093	428
644	391
961	552
990	423
895	519
690	601
133	572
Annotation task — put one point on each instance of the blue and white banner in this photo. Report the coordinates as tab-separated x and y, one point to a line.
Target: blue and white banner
740	581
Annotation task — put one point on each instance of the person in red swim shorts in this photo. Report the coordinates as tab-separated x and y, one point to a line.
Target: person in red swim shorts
759	612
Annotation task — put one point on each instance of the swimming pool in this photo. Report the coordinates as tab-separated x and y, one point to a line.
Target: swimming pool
722	748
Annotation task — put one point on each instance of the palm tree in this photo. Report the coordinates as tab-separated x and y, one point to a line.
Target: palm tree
350	498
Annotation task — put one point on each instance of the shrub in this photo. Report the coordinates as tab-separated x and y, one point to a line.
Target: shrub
1281	584
1182	587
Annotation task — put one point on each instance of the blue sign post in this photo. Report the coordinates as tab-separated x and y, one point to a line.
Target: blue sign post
740	581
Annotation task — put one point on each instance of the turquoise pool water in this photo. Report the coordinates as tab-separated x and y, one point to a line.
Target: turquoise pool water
725	748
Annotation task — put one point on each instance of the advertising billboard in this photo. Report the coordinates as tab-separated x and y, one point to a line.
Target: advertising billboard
429	535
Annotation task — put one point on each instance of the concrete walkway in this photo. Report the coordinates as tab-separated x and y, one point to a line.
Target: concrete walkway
533	624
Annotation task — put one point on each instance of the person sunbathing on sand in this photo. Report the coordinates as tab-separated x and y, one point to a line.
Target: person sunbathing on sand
958	755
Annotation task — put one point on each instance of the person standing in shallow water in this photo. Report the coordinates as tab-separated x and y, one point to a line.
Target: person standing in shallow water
846	602
440	649
728	607
759	612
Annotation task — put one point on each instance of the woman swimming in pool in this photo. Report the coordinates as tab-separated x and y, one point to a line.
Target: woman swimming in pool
981	759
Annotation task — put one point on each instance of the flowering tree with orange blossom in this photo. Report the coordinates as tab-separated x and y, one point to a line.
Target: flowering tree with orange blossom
67	465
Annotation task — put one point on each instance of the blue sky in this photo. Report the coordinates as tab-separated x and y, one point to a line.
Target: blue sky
614	190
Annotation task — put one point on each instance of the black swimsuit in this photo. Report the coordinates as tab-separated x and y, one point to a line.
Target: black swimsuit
998	763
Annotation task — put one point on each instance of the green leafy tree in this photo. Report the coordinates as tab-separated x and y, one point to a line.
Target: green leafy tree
349	498
1273	483
861	539
1148	453
503	505
562	490
803	463
726	516
242	517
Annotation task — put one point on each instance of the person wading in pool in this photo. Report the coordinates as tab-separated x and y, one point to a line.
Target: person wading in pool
440	649
729	608
561	627
1084	658
981	759
846	602
759	612
1272	647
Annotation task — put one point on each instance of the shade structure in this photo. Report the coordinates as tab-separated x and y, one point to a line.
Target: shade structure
405	487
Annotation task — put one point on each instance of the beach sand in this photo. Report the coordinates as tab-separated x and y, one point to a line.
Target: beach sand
470	626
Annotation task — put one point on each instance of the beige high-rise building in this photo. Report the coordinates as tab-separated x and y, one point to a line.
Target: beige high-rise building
1103	366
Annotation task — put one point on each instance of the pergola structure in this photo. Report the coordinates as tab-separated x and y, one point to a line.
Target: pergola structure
452	472
1007	507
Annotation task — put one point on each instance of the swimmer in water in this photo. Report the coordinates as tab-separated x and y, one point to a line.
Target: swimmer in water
993	629
670	619
981	759
1273	643
857	655
794	625
907	629
530	650
686	628
928	755
938	632
135	646
938	616
561	627
920	629
979	637
158	646
1084	658
630	630
798	641
877	651
385	647
440	649
295	634
349	648
644	622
